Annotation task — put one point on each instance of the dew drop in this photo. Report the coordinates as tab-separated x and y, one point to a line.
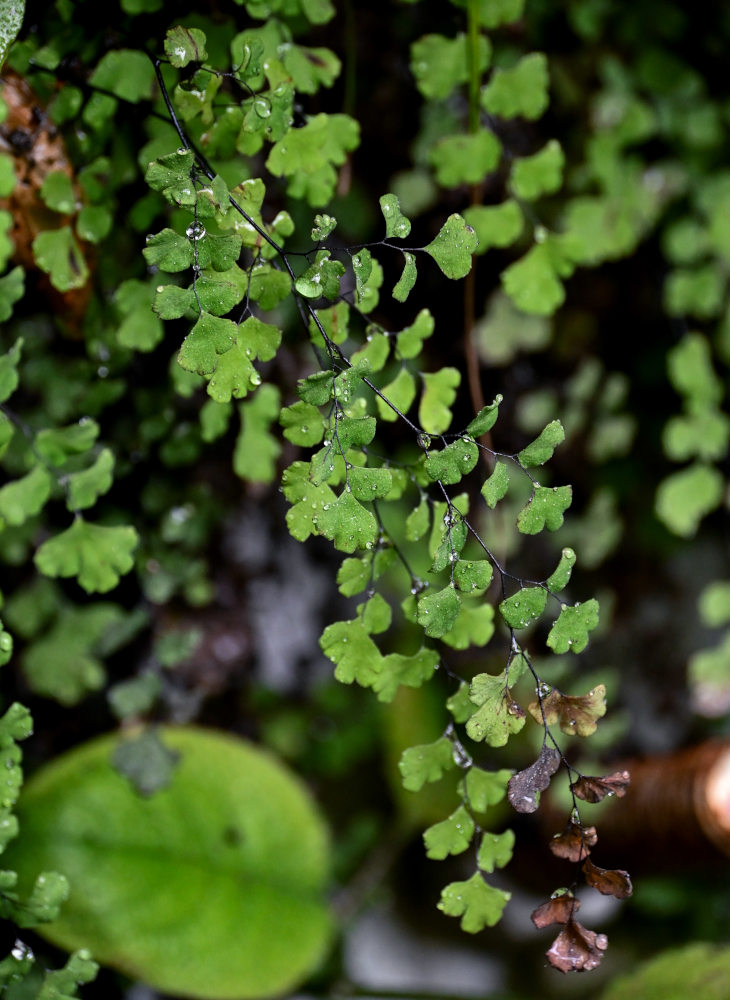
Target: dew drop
195	231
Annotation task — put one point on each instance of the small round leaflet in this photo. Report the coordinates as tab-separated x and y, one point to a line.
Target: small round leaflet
210	888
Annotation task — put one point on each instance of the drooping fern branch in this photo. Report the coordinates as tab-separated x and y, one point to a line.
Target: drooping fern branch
394	516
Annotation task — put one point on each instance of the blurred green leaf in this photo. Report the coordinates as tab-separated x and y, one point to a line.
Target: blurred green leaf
478	904
307	156
248	812
521	90
127	73
495	225
450	836
57	192
12	288
533	282
495	850
474	625
496	486
439	393
689	364
57	445
25	497
439	64
409	342
140	329
84	488
714	604
400	392
96	554
484	788
426	762
697	291
57	253
540	174
698	969
685	497
256	449
465	158
64	663
411	671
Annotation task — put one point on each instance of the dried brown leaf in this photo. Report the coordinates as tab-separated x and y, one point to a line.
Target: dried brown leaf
609	881
575	842
577	714
576	949
593	789
524	786
558	910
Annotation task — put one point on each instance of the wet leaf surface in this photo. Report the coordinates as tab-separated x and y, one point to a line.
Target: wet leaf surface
594	789
524	786
576	949
557	910
576	714
575	842
608	881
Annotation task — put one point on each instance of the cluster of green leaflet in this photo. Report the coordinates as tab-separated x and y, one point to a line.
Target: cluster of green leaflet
233	265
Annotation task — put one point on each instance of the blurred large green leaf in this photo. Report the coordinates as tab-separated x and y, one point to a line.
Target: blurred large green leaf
698	970
209	888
